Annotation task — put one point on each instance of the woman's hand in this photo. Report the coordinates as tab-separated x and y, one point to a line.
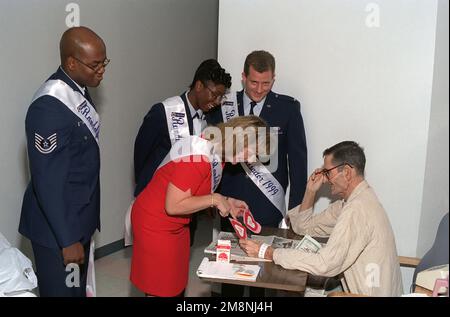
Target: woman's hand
237	207
251	247
222	204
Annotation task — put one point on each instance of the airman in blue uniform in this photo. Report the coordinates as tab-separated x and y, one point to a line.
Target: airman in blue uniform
61	205
282	114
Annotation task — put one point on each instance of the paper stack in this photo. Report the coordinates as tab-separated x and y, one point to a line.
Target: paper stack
228	271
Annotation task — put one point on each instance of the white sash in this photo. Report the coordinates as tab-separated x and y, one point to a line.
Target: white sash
258	173
73	100
90	279
128	234
177	122
267	184
182	150
229	107
194	145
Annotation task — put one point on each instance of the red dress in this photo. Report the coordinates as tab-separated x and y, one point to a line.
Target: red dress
160	261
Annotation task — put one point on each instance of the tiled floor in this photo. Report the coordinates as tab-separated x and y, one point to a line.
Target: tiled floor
112	271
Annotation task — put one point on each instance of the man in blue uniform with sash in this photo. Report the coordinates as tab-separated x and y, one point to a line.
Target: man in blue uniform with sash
176	118
61	205
263	186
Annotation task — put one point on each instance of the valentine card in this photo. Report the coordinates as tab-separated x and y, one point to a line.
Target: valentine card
250	222
238	228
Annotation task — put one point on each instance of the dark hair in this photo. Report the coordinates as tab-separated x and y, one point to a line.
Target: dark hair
261	61
348	152
210	70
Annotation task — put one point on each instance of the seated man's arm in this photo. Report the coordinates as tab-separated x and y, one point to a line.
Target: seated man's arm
348	239
317	225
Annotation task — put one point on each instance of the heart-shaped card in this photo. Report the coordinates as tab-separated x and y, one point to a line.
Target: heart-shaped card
250	222
239	229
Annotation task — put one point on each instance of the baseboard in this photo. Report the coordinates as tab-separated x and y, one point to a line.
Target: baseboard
109	248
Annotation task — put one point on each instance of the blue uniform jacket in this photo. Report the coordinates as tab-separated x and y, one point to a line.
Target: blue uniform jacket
282	112
61	204
153	143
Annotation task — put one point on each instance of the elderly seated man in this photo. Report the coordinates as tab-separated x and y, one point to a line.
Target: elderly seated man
361	243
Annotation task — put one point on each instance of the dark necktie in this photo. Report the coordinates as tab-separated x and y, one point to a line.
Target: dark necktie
252	105
197	128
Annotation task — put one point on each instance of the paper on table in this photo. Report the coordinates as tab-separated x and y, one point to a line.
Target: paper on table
228	271
307	244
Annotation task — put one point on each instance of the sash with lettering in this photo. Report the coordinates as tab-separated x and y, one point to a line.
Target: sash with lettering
257	172
194	145
73	100
177	123
83	109
229	107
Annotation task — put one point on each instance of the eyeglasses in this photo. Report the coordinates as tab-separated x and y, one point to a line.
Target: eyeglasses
96	68
326	172
216	96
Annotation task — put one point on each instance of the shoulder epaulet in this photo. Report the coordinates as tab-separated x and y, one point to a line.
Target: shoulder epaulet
285	98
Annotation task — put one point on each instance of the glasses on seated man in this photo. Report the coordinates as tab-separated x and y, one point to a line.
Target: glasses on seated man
326	172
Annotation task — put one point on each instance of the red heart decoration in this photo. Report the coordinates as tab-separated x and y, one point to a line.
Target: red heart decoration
250	222
239	229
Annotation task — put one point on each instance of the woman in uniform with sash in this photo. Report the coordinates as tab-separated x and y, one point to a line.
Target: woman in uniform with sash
184	184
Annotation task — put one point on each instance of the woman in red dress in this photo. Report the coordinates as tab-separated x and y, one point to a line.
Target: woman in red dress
180	187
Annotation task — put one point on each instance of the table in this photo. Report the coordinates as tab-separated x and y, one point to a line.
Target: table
274	276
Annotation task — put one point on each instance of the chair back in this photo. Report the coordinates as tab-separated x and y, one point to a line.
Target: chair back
438	254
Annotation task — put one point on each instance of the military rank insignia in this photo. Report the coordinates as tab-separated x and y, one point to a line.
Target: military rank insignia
45	145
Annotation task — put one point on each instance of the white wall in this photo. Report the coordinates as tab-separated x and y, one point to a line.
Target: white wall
436	190
355	82
154	48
